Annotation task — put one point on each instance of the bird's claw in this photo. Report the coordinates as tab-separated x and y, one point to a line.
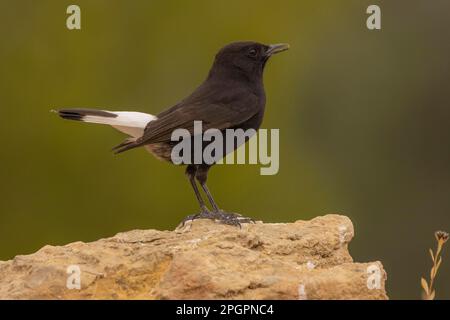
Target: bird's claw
233	219
220	216
204	214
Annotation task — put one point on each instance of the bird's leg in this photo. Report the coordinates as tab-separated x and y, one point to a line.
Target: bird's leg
190	172
210	197
204	212
225	217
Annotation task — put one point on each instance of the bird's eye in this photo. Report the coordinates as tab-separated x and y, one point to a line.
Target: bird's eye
252	52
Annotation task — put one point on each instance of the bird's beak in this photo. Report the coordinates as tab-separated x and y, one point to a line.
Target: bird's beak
276	48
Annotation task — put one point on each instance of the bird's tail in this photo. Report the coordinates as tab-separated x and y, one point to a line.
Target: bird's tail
130	123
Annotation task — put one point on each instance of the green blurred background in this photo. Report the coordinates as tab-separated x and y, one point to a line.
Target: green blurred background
364	120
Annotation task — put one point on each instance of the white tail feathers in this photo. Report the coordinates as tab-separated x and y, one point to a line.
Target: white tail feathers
130	123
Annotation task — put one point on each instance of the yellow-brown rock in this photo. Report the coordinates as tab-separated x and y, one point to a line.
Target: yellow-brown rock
203	260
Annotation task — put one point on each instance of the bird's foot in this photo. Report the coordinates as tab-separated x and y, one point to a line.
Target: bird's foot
220	216
204	214
231	218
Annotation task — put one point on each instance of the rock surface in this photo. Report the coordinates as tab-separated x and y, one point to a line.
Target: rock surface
203	260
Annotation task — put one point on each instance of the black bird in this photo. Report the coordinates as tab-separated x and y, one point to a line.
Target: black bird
231	97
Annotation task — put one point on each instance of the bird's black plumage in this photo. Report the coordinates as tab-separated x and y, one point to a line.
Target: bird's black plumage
231	97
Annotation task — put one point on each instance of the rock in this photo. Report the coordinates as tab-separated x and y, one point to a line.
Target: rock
203	260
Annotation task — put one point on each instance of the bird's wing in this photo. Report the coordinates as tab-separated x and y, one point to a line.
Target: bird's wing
218	113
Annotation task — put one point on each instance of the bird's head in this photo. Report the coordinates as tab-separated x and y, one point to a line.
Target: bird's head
245	58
